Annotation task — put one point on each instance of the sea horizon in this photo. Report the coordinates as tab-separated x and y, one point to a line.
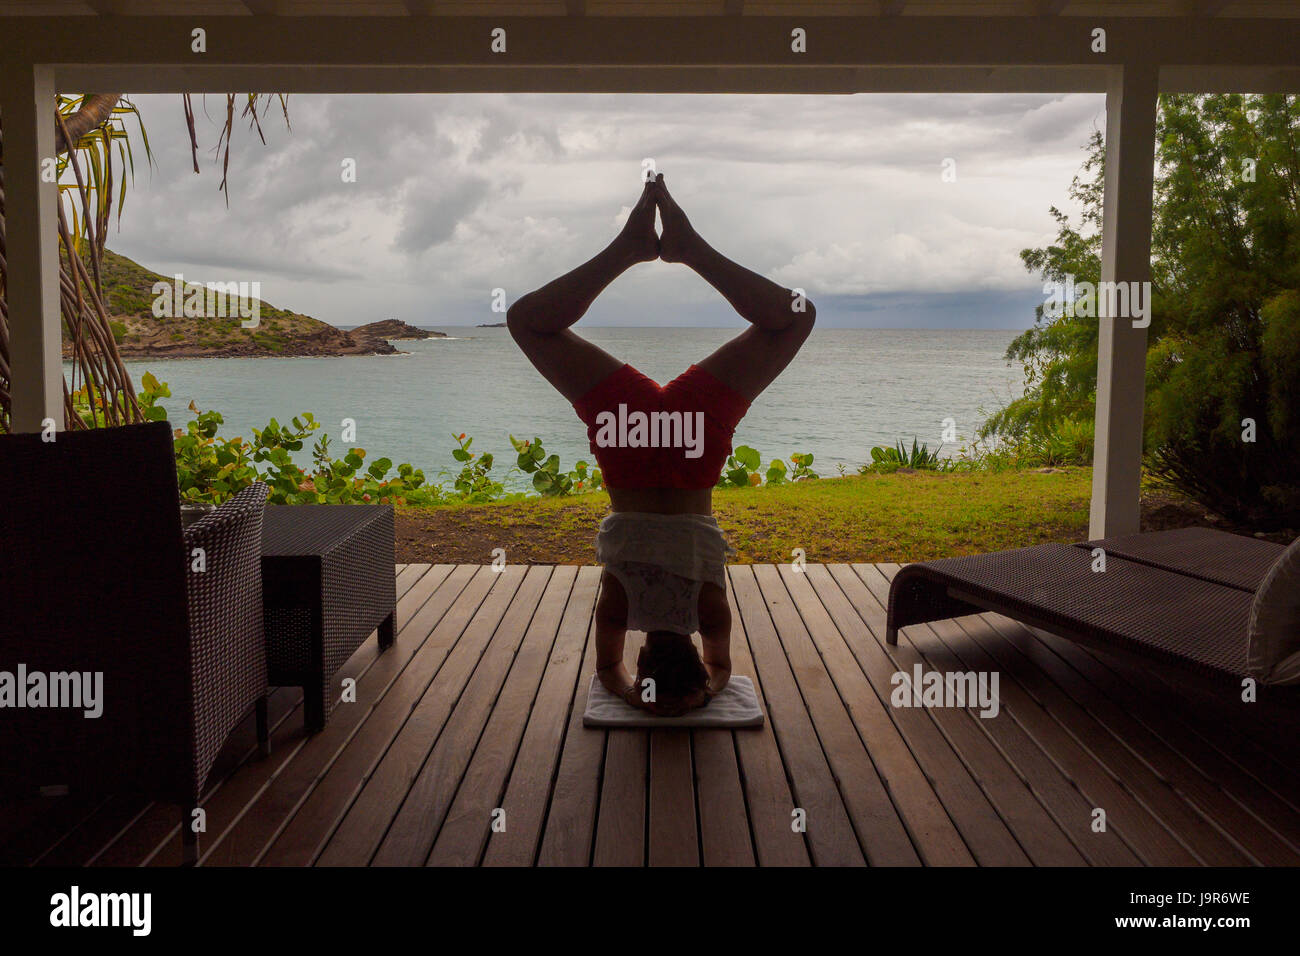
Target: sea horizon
848	390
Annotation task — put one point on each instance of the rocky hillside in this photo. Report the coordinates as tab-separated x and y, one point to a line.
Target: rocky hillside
140	333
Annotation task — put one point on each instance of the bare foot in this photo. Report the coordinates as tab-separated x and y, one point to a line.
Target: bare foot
638	236
679	239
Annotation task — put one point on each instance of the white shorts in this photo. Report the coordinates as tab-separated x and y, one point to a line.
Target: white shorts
662	562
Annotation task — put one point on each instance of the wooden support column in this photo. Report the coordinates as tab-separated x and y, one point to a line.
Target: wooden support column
32	245
1125	257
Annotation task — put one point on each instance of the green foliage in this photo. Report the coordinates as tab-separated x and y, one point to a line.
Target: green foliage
744	469
548	478
1225	312
1225	247
95	409
741	469
474	483
1058	354
211	467
885	459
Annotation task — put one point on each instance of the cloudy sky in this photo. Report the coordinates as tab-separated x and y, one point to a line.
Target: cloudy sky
458	194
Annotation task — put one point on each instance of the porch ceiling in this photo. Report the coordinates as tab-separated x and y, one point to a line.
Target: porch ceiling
656	46
758	8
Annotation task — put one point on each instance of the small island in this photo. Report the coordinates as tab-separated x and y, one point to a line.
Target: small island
395	330
156	316
491	325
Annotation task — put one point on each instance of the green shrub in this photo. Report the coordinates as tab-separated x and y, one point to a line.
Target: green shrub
744	464
885	459
211	467
548	478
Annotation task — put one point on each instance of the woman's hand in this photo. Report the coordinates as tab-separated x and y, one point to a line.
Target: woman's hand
638	238
679	240
719	677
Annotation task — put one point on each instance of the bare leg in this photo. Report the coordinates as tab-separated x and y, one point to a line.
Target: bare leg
781	320
715	635
611	633
540	320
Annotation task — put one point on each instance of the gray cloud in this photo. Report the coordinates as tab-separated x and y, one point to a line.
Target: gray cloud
458	194
436	207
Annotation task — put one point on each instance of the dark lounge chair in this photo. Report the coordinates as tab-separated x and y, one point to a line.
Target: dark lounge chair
1181	596
96	575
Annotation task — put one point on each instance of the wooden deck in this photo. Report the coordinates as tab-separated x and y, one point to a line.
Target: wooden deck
478	706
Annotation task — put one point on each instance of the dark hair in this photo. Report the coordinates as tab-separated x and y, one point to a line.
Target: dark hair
674	665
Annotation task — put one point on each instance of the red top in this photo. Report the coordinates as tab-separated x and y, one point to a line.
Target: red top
647	436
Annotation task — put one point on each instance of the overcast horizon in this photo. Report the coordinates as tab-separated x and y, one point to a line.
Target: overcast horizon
458	194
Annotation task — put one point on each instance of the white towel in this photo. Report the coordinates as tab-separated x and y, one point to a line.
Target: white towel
736	706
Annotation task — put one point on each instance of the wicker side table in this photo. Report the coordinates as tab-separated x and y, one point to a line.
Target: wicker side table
327	582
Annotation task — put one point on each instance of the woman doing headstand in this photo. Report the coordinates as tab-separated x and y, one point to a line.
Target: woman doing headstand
661	451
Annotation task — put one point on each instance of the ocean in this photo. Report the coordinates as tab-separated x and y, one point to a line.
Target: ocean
848	389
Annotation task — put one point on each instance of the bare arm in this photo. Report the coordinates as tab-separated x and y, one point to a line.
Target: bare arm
563	301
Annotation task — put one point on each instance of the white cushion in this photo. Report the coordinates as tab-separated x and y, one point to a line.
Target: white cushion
1273	637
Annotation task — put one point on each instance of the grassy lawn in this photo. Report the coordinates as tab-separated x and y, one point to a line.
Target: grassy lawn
898	517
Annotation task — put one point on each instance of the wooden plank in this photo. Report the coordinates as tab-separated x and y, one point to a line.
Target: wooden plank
408	576
724	821
226	805
51	820
244	843
302	840
1053	790
127	830
621	815
1219	810
830	835
762	773
1145	834
381	793
569	826
881	832
621	811
673	838
535	764
1127	762
964	766
140	840
95	832
1156	713
928	823
1176	794
1266	752
469	822
19	815
422	810
223	807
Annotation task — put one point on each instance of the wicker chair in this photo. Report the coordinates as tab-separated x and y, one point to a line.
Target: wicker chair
96	576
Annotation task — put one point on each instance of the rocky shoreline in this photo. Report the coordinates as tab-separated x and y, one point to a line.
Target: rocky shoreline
154	317
320	340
